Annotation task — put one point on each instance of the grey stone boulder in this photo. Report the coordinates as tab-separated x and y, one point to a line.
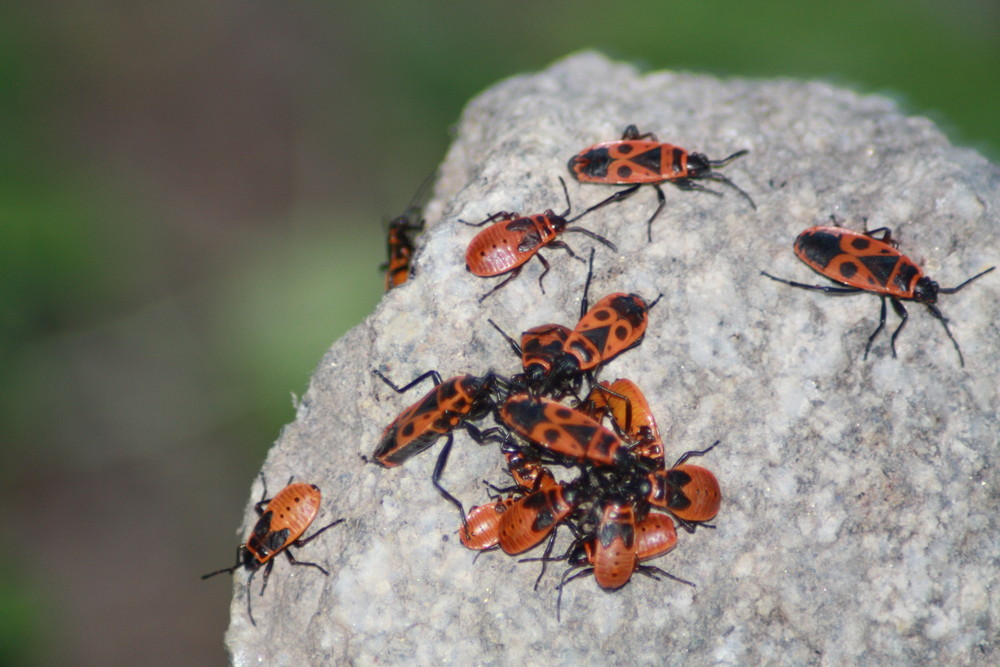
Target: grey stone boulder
859	523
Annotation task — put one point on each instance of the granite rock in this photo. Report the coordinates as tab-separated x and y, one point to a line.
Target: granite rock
859	522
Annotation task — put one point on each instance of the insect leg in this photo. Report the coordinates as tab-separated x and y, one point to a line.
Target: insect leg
513	274
694	452
420	378
944	322
442	461
663	202
881	325
293	561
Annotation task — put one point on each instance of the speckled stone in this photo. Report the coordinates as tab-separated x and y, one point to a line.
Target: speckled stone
859	523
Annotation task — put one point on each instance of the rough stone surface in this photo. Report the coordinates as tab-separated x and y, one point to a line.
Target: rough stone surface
859	524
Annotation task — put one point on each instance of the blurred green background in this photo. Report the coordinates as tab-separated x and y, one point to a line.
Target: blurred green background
192	199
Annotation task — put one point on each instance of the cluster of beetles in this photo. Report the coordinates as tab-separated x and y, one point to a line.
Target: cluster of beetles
578	452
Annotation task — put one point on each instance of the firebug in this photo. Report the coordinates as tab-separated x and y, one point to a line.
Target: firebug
452	404
864	263
631	414
399	241
563	430
283	520
640	159
689	492
483	525
506	245
532	517
619	544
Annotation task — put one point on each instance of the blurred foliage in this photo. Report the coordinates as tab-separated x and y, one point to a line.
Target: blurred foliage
192	198
20	619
